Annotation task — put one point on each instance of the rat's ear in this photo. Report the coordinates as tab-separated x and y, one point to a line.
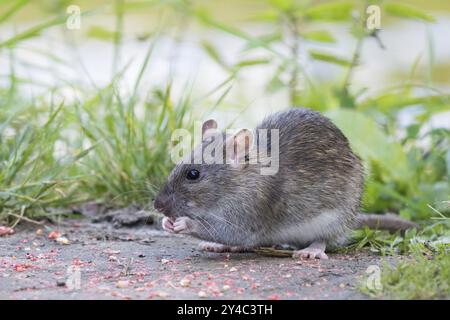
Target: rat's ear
210	124
238	146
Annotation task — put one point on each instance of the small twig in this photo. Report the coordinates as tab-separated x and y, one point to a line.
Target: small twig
39	223
21	217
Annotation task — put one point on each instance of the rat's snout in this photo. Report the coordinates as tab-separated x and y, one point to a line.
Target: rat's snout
162	203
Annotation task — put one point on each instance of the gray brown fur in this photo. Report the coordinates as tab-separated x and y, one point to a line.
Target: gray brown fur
318	173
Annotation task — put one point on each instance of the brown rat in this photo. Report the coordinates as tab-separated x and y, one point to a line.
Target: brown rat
311	202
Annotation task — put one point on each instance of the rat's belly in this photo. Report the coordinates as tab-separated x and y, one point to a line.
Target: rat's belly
324	226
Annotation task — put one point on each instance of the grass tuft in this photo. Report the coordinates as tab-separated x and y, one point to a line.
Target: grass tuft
417	277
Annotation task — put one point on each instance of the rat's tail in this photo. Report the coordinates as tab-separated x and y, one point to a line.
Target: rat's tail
389	221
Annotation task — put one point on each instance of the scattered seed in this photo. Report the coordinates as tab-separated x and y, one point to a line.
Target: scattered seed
122	284
240	290
158	294
202	294
6	231
21	267
37	244
185	282
62	240
54	235
111	252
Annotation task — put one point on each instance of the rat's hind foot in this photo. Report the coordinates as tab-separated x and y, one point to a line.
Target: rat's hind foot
315	251
310	253
219	248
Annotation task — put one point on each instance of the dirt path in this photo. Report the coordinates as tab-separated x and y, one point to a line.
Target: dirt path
144	263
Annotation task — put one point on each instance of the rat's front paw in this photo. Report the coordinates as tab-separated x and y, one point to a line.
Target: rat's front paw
310	253
184	225
167	224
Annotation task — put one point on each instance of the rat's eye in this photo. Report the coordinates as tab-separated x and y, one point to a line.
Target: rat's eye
193	174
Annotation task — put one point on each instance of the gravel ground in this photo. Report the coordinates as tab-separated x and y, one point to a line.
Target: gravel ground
101	261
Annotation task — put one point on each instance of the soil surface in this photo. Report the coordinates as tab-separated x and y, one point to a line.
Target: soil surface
93	258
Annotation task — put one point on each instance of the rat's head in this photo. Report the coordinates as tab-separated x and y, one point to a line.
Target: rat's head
194	190
189	190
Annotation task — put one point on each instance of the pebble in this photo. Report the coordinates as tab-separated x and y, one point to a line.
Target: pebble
122	284
60	283
111	252
62	240
185	282
5	231
202	294
54	235
159	294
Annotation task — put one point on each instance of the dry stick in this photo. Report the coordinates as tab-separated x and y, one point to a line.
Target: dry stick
40	223
21	217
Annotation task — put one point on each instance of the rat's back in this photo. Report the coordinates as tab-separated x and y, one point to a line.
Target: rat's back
320	179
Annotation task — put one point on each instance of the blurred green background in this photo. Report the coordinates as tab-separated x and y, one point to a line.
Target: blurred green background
86	113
